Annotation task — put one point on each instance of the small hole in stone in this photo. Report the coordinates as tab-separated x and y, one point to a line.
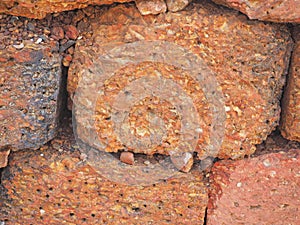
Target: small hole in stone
50	189
83	219
47	196
189	206
145	205
72	214
136	209
121	195
38	190
71	190
69	181
93	215
41	207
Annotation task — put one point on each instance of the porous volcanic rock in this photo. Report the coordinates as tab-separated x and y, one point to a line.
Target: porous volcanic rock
30	84
248	58
290	120
40	9
260	190
52	186
287	11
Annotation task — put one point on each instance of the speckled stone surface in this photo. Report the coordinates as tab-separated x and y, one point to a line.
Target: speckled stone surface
40	9
51	186
248	58
286	11
30	84
290	120
260	190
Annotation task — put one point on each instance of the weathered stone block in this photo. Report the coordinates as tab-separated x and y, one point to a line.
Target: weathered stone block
40	9
242	63
30	81
260	190
51	186
290	120
287	11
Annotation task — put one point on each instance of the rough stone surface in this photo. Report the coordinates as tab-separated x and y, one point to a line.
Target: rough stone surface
151	6
260	190
4	158
51	186
249	59
290	120
40	9
271	10
29	94
177	5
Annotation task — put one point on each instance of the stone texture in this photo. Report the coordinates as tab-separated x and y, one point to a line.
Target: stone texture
40	9
30	82
177	5
52	186
290	120
260	190
151	6
287	11
249	59
4	158
127	157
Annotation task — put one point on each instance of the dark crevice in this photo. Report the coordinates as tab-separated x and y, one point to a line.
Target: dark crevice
205	217
63	96
288	71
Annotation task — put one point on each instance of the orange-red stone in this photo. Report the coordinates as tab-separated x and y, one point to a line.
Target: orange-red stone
287	11
290	120
259	190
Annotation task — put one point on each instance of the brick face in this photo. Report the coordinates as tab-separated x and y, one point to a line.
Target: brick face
260	190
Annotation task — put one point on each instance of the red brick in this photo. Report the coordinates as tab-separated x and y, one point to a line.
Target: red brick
260	190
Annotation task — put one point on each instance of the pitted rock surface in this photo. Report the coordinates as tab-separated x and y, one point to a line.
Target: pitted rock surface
41	8
54	186
283	11
248	58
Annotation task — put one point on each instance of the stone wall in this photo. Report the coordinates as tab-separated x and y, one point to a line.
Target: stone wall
177	113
